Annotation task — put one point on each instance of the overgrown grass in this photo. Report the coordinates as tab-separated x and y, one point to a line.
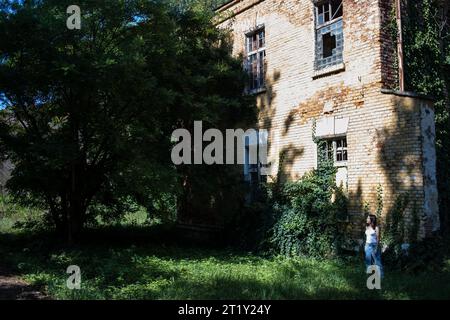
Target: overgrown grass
13	215
134	263
14	218
170	272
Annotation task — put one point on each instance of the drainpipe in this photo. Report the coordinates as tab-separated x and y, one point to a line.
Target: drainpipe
401	71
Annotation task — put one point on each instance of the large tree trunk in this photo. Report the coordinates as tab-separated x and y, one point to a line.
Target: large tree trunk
75	200
76	210
75	223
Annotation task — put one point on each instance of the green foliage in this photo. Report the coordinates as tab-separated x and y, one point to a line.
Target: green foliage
396	233
366	208
307	219
301	218
426	40
180	273
414	228
427	71
90	113
249	228
14	218
428	255
392	29
380	205
403	250
202	5
394	229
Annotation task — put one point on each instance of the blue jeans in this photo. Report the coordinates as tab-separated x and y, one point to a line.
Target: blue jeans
373	256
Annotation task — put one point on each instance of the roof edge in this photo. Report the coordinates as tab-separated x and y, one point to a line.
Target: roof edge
409	94
226	5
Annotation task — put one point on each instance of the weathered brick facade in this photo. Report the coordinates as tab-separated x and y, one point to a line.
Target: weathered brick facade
390	135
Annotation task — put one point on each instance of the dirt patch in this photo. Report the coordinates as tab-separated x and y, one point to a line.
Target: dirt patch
14	288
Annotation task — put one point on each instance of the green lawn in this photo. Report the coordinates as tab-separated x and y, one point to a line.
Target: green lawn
149	271
132	263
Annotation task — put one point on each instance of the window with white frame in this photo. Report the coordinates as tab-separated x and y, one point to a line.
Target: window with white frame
335	150
256	59
329	33
255	159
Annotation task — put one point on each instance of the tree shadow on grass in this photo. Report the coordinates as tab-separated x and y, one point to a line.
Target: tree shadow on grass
140	270
289	282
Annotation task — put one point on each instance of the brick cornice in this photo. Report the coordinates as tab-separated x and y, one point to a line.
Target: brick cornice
229	10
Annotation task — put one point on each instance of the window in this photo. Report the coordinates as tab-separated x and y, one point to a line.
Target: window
255	158
256	59
329	33
335	149
341	150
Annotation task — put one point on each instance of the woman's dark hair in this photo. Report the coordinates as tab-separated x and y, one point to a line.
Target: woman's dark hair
373	221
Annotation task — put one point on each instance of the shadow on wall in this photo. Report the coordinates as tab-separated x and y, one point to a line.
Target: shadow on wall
406	156
403	149
288	154
397	148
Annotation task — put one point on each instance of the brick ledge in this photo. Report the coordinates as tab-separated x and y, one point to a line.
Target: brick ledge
329	71
407	94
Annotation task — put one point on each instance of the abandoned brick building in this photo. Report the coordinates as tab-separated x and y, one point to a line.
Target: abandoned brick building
332	68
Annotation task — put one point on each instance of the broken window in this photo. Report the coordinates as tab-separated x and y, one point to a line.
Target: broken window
335	149
256	59
329	33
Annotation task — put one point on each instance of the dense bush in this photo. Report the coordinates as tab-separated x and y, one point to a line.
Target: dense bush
400	238
248	227
308	215
300	218
428	255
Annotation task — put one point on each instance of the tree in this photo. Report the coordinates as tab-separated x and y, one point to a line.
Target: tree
89	113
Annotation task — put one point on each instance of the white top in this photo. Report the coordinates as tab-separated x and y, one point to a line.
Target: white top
371	236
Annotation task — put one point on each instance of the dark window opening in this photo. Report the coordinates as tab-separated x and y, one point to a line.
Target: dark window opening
329	44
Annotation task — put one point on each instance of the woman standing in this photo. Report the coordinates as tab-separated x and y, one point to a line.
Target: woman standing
373	247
